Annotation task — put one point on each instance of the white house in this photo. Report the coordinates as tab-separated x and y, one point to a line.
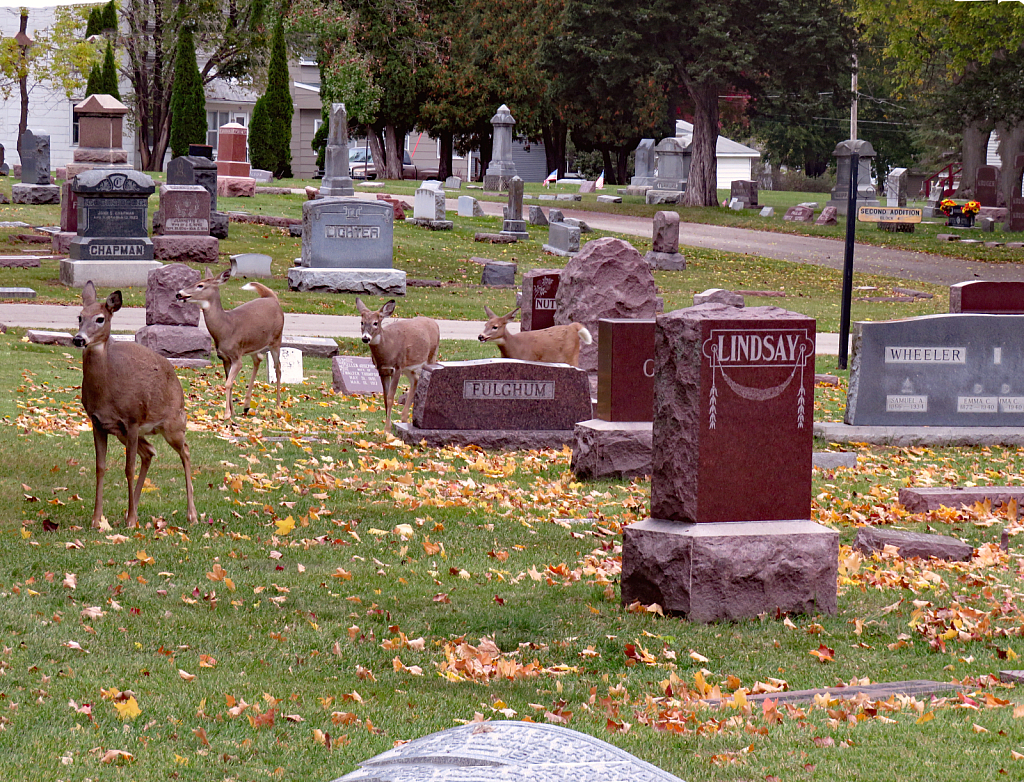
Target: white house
735	160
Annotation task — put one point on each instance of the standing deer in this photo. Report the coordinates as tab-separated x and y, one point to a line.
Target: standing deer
250	329
404	347
128	391
553	345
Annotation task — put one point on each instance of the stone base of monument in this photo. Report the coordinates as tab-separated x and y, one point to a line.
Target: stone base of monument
60	242
488	439
717	571
495	183
516	228
932	436
433	225
612	449
35	195
664	196
96	156
372	282
666	261
106	274
236	186
176	341
182	248
106	249
219	224
558	251
637	190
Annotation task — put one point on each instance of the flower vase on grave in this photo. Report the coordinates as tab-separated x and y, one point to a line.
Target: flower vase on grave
957	218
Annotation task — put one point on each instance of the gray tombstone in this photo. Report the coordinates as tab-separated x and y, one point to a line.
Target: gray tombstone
347	233
453	183
467	206
112	223
562	239
537	216
673	164
336	181
499	273
355	375
644	164
514	225
896	187
194	170
35	159
865	195
664	253
501	169
4	168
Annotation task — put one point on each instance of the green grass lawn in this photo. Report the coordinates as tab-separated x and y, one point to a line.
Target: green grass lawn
343	591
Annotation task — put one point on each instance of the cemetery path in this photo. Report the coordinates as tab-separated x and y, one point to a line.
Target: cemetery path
906	265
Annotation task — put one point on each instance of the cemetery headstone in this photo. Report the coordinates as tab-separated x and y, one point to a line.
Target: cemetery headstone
100	137
537	216
181	226
644	165
172	326
501	169
673	165
291	367
843	154
498	274
514	225
355	375
336	181
538	299
799	214
609	199
4	168
937	370
625	370
429	209
453	183
60	243
653	197
318	347
555	216
745	191
607	279
896	187
665	251
35	187
201	150
232	161
767	212
986	185
729	535
194	170
828	216
466	206
563	239
588	187
1015	214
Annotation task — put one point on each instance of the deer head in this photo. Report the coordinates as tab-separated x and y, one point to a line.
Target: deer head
495	326
94	319
204	291
373	320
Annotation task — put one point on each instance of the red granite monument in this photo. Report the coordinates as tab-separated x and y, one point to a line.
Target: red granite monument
232	161
539	289
625	370
985	297
729	534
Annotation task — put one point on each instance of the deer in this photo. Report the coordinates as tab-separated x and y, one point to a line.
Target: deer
403	347
128	391
250	329
553	345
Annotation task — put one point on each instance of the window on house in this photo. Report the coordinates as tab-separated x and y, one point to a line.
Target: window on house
316	125
74	125
214	119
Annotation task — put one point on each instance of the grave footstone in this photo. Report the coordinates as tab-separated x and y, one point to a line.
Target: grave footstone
233	178
728	536
982	296
537	216
923	499
562	240
538	299
514	225
937	370
501	169
718	296
607	279
319	347
871	540
662	197
355	375
498	274
609	199
828	216
587	187
336	181
986	185
498	403
767	211
665	235
799	214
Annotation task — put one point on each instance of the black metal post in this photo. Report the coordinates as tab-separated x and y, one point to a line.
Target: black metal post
851	230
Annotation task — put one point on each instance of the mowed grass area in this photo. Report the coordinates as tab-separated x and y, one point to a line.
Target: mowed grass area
343	592
445	256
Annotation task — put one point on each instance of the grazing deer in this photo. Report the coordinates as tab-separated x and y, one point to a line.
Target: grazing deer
554	345
250	329
128	391
404	347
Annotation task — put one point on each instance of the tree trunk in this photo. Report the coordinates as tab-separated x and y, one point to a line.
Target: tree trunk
395	149
23	84
974	153
1011	145
554	146
444	166
606	160
376	148
702	184
621	167
486	150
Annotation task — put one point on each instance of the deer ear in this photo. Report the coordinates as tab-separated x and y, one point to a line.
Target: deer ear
114	301
388	309
89	294
512	313
360	306
209	274
225	275
489	312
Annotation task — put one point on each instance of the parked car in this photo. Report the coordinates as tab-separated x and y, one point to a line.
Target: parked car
361	165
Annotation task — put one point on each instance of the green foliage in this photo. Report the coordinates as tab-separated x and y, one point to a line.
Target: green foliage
95	24
110	78
270	132
109	17
95	83
188	102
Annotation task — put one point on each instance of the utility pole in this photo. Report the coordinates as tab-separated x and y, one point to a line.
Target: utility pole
853	101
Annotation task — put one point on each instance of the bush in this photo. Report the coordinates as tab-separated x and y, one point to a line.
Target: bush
188	102
798	182
270	131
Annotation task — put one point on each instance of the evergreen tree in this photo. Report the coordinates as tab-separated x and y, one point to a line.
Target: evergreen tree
188	101
270	131
108	17
109	80
95	24
95	84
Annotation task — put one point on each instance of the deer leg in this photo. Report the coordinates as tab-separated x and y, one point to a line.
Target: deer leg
99	440
146	452
276	353
176	439
131	448
233	370
256	361
388	381
414	379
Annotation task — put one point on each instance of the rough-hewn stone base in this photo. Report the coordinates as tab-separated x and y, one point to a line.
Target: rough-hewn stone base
663	196
731	570
488	439
106	274
433	225
373	282
921	500
235	186
612	449
176	341
186	249
558	251
666	261
912	544
60	242
35	195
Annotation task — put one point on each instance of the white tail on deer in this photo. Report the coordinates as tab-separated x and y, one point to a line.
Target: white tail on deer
554	345
128	391
403	347
250	329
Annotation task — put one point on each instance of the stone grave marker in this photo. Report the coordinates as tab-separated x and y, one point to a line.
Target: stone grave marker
608	279
871	540
644	165
453	183
563	239
937	370
719	296
429	209
537	216
514	225
355	375
673	165
922	499
896	187
625	370
555	216
336	181
498	274
35	187
467	206
182	225
100	121
986	185
291	366
502	168
172	326
587	187
799	214
4	168
728	535
828	216
744	191
194	170
981	296
767	211
865	195
320	347
232	161
251	265
1015	215
665	251
538	299
339	233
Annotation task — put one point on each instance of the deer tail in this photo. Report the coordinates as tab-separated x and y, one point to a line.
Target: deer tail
585	337
264	291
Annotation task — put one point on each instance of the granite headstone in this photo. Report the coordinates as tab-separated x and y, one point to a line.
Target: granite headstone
355	375
665	236
986	185
644	164
865	195
625	370
744	191
112	208
35	158
563	239
514	225
502	168
896	187
538	300
984	297
336	181
343	233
